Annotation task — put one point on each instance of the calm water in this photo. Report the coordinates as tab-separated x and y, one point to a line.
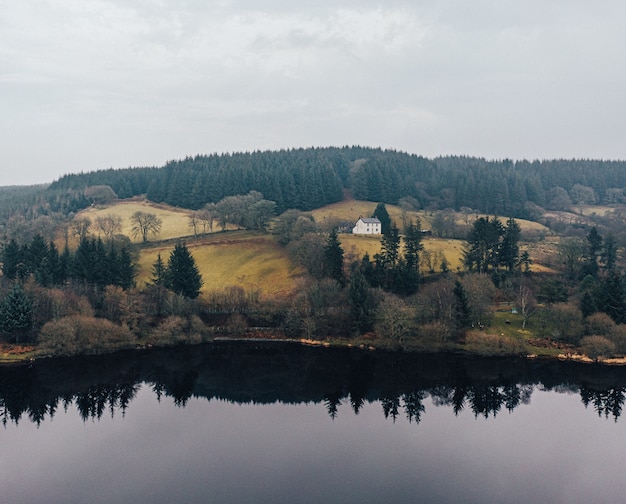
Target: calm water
235	423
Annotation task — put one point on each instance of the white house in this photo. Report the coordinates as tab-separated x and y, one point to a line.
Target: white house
367	226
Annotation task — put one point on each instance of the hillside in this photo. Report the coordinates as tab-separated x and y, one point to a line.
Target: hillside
250	260
231	258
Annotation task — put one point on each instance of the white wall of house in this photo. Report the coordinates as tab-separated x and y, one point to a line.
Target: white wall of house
367	227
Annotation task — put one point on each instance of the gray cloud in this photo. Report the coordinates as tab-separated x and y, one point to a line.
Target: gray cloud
88	85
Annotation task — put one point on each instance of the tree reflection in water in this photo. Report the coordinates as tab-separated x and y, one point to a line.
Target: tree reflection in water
266	373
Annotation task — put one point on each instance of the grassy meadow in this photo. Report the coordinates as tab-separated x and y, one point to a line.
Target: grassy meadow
175	220
238	258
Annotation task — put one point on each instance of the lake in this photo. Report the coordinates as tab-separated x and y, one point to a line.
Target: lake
279	423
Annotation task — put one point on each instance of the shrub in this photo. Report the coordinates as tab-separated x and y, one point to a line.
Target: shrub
599	324
597	346
79	334
170	331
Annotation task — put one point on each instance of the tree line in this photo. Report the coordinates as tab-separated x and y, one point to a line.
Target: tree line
308	178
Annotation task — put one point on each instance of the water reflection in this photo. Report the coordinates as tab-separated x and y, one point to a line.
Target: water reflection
268	373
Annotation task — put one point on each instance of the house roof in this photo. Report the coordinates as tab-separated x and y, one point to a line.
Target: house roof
372	220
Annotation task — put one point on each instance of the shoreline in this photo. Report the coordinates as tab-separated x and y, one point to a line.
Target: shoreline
18	355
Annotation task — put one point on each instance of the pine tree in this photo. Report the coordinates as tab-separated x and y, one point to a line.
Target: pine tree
413	245
333	258
16	313
613	301
509	249
11	260
159	272
594	249
360	303
183	276
461	307
383	216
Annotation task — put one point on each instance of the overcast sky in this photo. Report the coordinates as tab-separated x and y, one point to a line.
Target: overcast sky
86	85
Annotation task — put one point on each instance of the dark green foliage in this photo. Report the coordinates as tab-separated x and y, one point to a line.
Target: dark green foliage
609	253
183	276
390	249
461	307
592	253
361	305
122	268
588	305
383	216
483	249
612	298
552	291
159	272
91	264
333	258
308	178
11	259
509	248
412	245
16	312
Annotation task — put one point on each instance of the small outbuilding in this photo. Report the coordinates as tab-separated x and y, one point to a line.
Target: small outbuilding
369	226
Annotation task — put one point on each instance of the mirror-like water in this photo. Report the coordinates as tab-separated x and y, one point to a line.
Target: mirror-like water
235	423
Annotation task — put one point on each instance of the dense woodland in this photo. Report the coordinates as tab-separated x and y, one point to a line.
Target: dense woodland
309	178
86	300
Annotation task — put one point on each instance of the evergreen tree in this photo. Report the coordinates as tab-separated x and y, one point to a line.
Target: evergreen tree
509	248
65	266
11	259
333	258
461	306
387	260
592	253
588	305
16	312
613	298
361	308
383	216
483	244
413	245
124	270
183	276
159	272
53	263
609	253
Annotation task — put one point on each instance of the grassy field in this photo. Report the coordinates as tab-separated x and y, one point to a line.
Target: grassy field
240	258
175	221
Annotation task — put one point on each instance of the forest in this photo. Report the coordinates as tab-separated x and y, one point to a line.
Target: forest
69	285
305	179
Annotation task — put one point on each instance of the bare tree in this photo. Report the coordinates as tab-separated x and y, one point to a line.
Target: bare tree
526	303
80	227
206	215
194	222
144	224
109	224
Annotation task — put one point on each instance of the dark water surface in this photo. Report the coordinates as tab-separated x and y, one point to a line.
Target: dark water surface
235	423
